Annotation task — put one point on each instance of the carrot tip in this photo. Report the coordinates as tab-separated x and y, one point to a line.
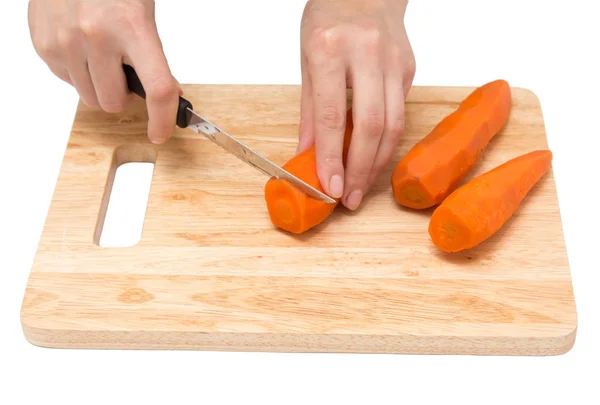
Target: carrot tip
448	231
412	194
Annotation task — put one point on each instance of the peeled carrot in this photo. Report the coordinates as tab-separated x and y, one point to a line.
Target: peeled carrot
474	212
437	163
289	208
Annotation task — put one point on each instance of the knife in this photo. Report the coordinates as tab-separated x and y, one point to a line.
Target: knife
188	118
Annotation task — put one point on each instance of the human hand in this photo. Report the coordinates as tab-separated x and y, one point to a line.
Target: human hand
86	43
363	45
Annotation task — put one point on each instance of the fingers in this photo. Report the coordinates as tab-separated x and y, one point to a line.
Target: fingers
162	90
80	76
398	76
307	134
368	117
394	125
85	44
106	72
77	66
328	80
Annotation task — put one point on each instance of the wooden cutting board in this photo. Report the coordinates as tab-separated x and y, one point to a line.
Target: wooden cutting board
211	272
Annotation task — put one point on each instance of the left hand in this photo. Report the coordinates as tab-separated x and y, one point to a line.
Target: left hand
358	44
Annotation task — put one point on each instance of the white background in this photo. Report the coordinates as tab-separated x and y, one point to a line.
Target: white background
551	47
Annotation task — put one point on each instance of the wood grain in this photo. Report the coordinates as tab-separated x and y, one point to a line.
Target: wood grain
211	272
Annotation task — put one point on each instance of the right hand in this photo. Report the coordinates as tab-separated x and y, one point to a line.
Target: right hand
86	43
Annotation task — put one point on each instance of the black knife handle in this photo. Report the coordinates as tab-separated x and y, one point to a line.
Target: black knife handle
135	85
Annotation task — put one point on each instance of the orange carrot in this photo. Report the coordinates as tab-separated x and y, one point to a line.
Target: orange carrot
437	163
474	212
291	209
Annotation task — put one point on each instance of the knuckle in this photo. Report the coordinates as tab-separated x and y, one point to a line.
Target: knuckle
46	49
372	125
92	30
359	174
66	39
371	39
330	159
332	118
396	127
325	40
163	89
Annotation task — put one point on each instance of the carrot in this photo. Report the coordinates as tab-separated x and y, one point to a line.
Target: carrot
289	208
437	163
474	212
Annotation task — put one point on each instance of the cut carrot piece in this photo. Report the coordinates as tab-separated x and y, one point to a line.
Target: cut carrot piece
474	212
289	208
437	163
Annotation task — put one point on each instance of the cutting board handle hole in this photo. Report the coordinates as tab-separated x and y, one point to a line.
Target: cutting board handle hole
123	209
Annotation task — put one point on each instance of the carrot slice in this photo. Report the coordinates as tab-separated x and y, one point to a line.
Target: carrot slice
474	212
289	208
437	163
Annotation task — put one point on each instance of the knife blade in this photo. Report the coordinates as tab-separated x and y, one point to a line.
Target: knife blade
188	118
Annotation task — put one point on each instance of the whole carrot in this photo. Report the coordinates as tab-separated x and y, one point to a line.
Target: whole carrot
474	212
289	208
437	163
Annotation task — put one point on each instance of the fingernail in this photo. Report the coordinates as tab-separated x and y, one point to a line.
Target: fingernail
354	199
336	186
156	140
